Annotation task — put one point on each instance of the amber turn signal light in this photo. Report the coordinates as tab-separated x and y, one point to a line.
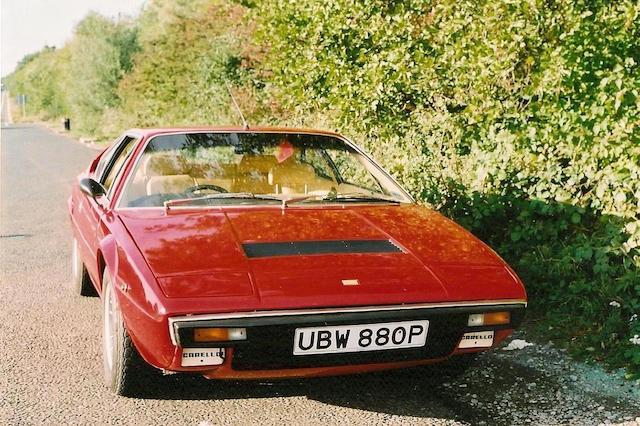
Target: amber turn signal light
489	318
216	334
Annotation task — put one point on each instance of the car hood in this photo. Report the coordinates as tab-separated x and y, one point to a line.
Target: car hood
348	255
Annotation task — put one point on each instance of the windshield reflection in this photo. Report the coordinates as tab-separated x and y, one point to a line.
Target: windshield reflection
254	168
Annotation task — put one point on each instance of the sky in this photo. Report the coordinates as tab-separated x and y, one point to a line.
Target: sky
28	25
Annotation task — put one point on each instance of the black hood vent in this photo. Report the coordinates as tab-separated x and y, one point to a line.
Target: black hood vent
303	248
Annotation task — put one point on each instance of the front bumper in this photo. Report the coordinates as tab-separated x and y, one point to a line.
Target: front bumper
267	352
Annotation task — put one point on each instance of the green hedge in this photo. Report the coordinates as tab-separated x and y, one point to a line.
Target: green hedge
520	119
39	76
81	79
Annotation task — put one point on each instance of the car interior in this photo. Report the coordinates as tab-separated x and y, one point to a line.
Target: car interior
189	168
162	173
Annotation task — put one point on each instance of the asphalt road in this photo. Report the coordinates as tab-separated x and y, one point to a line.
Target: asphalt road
51	367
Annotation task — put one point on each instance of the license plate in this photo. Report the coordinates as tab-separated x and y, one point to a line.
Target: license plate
192	357
479	339
360	338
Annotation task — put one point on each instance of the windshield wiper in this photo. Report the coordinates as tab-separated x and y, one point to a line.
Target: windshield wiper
358	196
236	195
218	196
284	200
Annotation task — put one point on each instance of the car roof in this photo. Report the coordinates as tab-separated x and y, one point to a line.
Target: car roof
148	132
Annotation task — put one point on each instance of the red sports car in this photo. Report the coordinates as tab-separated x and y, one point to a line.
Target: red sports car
269	253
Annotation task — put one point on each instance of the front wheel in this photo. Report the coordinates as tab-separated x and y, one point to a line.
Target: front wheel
123	366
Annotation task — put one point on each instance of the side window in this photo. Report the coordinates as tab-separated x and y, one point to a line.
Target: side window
117	160
104	160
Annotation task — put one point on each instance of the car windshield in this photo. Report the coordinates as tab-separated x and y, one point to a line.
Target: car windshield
254	168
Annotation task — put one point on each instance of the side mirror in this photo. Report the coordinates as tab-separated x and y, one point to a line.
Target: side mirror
92	188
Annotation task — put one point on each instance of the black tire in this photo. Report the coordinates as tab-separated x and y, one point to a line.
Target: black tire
82	284
124	368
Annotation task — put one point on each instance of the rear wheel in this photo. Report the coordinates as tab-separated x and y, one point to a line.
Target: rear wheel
123	366
79	276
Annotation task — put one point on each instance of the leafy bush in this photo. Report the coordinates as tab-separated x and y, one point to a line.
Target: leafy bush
38	76
101	52
519	119
81	79
180	74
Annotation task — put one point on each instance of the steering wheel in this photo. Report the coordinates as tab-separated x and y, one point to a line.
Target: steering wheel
193	190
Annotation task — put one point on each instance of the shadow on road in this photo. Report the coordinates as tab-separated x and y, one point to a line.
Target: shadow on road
500	389
419	392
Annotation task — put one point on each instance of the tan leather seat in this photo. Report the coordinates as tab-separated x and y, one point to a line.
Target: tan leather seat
155	167
253	173
222	175
169	184
293	177
163	165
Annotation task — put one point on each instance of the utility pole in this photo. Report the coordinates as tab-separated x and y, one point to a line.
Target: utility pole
24	105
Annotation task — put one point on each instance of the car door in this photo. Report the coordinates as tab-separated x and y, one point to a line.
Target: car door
91	211
81	210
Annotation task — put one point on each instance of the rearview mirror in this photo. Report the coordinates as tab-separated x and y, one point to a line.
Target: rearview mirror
92	188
